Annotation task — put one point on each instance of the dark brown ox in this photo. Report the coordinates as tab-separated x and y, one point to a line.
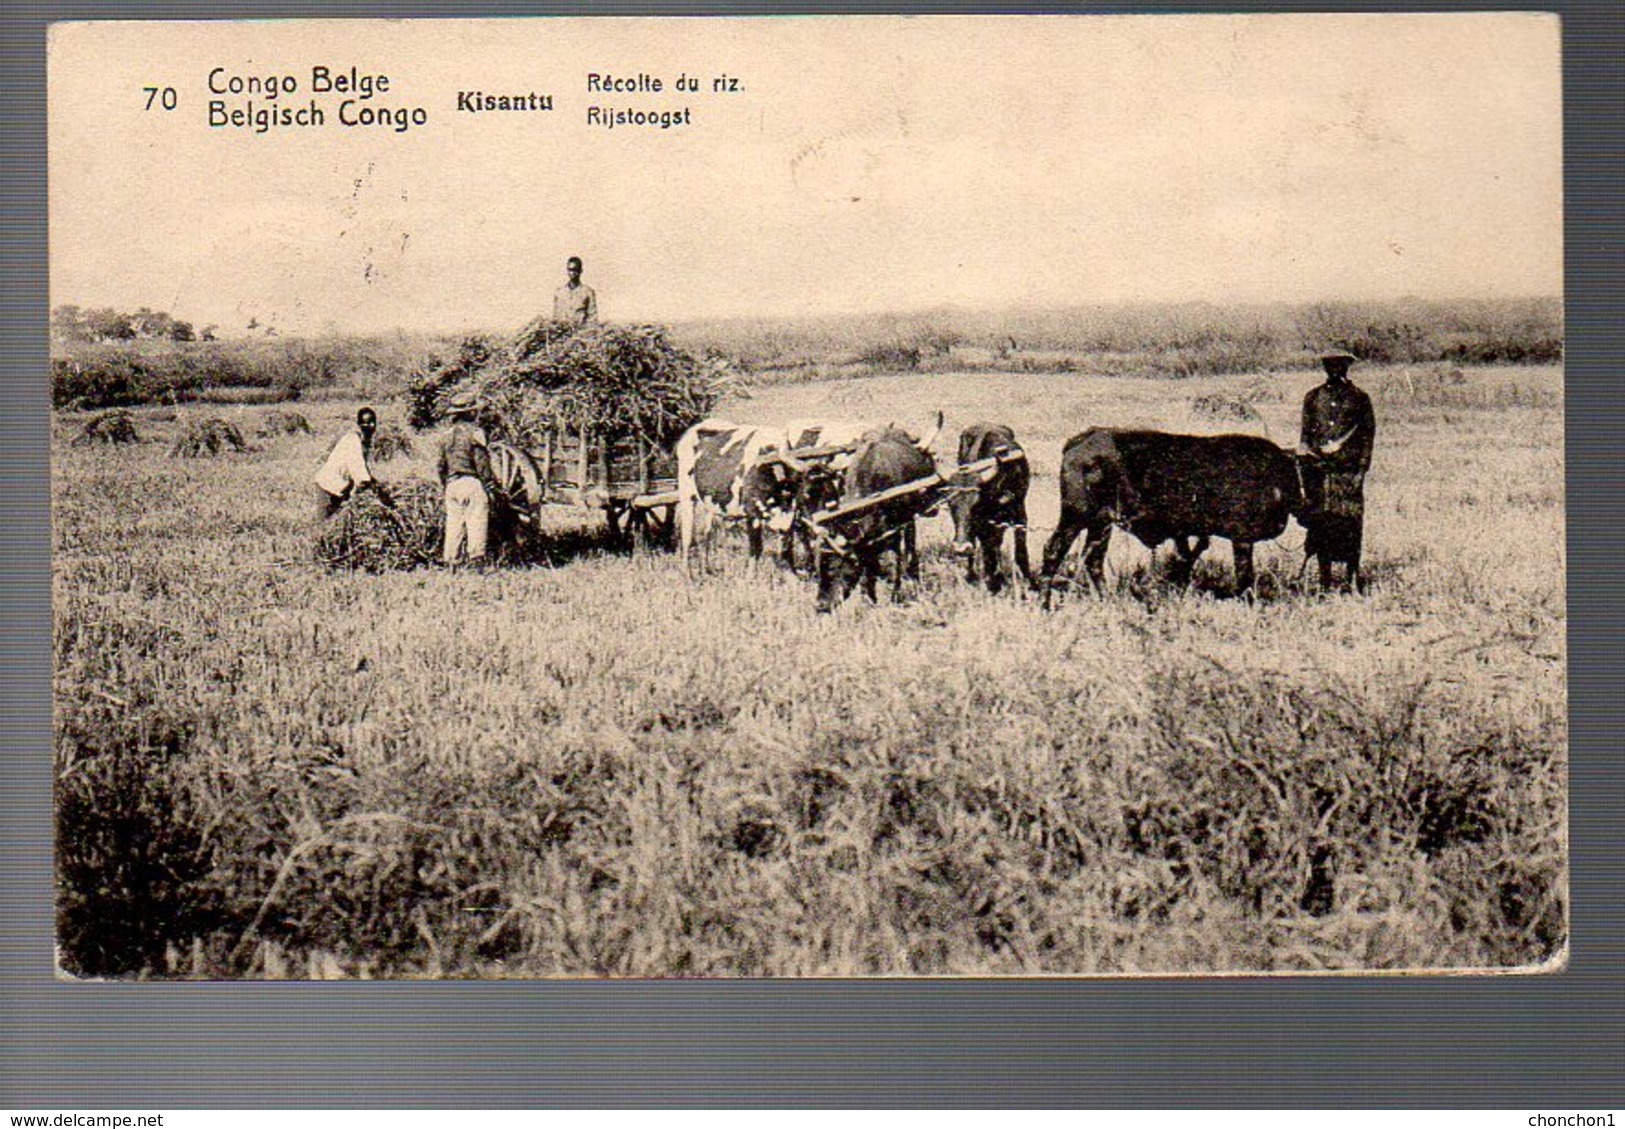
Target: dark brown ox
850	552
984	507
1161	487
798	495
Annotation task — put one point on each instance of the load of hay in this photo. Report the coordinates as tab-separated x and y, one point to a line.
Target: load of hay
207	437
381	530
283	423
116	427
610	379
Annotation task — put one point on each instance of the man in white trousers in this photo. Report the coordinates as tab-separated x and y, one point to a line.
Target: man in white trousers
465	468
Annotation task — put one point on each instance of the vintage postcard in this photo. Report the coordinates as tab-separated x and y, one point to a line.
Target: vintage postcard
839	496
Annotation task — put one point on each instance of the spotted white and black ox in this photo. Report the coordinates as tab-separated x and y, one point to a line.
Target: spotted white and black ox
722	474
719	476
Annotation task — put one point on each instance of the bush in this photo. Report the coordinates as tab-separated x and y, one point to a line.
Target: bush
891	355
1180	340
123	374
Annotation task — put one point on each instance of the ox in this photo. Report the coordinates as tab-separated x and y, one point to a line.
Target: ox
851	555
792	488
1161	487
718	473
800	434
984	507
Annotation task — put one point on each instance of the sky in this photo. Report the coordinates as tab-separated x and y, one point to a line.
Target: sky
864	165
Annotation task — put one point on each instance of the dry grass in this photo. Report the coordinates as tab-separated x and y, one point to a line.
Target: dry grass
597	766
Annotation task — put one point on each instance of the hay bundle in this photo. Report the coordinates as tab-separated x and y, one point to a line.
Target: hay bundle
379	530
117	427
389	441
283	423
1221	407
615	379
207	437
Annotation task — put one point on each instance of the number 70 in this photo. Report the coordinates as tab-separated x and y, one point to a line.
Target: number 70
164	96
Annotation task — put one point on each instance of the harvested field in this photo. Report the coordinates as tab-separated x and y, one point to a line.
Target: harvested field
598	765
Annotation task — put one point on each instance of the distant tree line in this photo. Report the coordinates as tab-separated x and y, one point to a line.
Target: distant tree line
72	324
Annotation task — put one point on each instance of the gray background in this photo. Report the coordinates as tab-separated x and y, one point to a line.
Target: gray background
1550	1043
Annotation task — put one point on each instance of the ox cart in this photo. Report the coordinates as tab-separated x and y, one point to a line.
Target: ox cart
631	480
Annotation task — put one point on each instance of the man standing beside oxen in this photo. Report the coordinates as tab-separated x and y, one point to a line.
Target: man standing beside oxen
1339	428
465	468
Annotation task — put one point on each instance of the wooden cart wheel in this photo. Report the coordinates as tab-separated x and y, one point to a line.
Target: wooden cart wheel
516	477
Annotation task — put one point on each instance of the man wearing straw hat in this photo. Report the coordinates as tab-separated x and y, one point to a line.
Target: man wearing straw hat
575	301
346	468
1339	429
465	468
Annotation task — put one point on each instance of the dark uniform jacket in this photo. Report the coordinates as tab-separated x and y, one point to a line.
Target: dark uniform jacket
1334	481
1332	411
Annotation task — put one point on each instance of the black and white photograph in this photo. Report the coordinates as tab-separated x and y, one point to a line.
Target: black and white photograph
819	497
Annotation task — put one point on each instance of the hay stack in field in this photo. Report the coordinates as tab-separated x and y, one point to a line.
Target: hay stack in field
382	530
614	379
116	427
389	441
1221	407
207	437
283	423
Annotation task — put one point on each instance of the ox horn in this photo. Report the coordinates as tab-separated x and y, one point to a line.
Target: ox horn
935	433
